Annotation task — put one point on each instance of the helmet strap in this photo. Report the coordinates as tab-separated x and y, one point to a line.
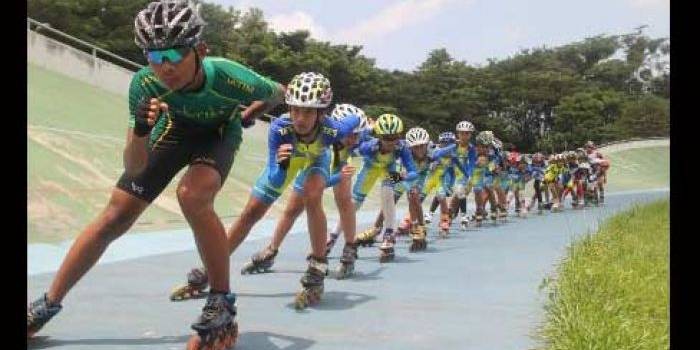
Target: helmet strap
316	128
197	68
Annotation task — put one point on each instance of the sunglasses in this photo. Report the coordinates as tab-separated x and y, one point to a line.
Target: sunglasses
174	55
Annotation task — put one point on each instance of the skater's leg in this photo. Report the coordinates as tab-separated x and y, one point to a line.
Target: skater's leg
388	206
121	212
346	209
434	204
196	193
453	205
294	208
414	206
379	221
254	210
314	185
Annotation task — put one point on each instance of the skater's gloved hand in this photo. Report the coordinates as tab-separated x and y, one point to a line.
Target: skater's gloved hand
146	114
347	172
395	177
284	154
247	122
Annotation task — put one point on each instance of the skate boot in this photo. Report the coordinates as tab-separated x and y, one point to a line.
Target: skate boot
387	247
331	242
518	212
366	238
479	217
347	261
556	208
312	283
540	208
444	225
39	313
428	217
404	227
260	262
216	328
464	222
502	213
418	239
548	206
494	214
197	283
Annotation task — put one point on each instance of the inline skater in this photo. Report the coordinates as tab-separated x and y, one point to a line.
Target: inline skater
184	111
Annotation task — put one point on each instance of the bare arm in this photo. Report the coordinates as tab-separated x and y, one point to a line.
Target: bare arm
136	150
135	153
258	108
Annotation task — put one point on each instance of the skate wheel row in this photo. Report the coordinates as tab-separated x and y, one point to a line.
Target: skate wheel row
224	341
185	292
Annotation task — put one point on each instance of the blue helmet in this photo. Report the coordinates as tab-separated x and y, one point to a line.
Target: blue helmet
448	137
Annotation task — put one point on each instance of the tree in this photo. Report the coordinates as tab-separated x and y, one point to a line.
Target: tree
645	117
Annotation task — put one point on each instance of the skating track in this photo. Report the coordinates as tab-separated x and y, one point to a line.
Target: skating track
475	290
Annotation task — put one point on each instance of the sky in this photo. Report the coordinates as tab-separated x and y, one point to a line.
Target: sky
399	34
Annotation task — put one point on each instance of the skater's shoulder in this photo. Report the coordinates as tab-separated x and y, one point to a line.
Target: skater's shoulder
282	125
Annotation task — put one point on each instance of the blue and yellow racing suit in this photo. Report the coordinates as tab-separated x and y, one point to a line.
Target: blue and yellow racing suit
341	156
306	159
518	178
376	164
465	158
442	175
482	176
423	169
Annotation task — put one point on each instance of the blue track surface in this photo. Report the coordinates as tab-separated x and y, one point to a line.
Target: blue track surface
478	289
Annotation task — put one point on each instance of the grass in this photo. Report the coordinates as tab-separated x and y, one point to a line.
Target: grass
612	289
639	168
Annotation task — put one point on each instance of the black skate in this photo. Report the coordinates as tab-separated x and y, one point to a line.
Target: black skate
260	262
347	261
312	283
216	328
502	214
197	283
387	247
494	215
39	313
331	242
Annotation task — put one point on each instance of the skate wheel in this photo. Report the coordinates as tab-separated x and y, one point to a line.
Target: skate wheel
300	301
185	292
194	343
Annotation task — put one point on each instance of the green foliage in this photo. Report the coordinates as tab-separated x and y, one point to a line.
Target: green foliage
612	290
644	117
540	97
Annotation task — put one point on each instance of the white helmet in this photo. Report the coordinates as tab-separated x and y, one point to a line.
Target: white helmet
168	23
345	109
497	143
417	136
465	126
309	89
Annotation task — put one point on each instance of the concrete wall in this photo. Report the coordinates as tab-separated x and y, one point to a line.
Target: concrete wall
77	64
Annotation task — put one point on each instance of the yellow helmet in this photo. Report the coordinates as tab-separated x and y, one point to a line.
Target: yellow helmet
388	124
